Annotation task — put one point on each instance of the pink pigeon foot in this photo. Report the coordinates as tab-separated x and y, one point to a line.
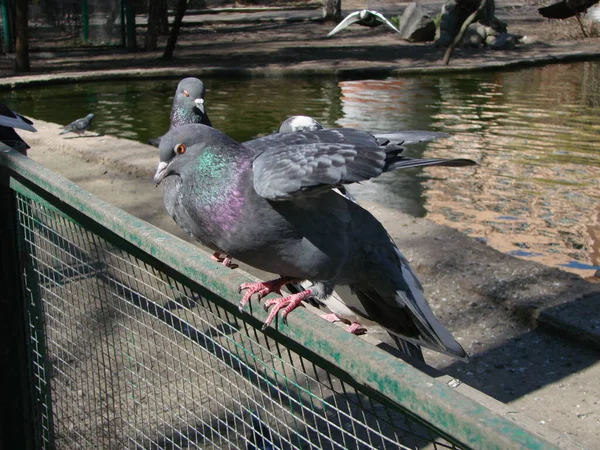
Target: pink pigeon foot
288	304
353	327
225	260
356	328
262	288
331	318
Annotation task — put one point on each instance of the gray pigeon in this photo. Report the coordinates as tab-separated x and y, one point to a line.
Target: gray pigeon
274	209
188	106
336	302
295	124
79	126
9	120
364	17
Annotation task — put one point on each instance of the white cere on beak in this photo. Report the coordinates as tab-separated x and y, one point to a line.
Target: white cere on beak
199	104
160	172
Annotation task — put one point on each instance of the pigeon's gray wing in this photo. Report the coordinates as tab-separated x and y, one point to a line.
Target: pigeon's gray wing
307	169
349	20
282	173
382	19
9	118
409	137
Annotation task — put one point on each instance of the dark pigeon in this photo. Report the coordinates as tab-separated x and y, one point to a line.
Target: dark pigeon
274	209
566	8
364	17
79	126
188	106
9	120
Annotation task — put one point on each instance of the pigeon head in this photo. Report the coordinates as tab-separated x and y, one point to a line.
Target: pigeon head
189	99
182	147
299	123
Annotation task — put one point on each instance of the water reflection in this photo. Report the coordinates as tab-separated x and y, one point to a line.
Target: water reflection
534	132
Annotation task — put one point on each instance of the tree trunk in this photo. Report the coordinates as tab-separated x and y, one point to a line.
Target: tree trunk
157	15
332	10
180	12
130	25
468	21
22	37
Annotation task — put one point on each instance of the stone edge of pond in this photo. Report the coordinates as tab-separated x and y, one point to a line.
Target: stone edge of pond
326	70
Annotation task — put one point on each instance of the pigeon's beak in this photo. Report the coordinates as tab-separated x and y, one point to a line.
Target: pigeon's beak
200	104
161	171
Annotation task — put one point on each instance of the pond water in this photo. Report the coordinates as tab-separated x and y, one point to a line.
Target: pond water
534	132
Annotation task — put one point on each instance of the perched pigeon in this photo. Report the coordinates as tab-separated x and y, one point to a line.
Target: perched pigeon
10	120
296	124
336	302
366	18
188	106
80	126
305	123
274	210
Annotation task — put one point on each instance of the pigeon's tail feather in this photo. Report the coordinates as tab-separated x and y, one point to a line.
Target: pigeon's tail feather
435	335
65	130
410	136
408	348
403	310
403	162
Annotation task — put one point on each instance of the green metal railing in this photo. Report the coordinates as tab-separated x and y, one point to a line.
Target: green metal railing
123	336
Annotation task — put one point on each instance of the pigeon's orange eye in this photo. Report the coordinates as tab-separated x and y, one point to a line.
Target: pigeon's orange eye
180	149
186	93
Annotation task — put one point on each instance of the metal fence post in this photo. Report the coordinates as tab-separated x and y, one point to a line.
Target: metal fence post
6	27
16	424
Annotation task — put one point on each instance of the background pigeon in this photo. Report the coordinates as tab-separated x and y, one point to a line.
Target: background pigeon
274	210
80	126
305	123
188	106
10	120
566	8
364	17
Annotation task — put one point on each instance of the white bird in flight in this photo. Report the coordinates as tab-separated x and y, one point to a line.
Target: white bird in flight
366	18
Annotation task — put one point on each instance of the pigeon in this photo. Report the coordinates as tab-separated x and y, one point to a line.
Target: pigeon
366	18
296	124
273	208
79	126
566	8
188	106
9	120
336	301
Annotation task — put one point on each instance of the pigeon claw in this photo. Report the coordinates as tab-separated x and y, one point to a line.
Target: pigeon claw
261	288
225	260
356	329
288	304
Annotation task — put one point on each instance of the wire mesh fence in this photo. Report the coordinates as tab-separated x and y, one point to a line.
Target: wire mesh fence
125	352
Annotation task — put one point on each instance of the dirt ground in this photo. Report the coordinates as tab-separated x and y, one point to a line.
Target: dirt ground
516	318
293	43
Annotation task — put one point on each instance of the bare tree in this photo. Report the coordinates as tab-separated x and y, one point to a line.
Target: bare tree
158	22
22	37
332	10
179	13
